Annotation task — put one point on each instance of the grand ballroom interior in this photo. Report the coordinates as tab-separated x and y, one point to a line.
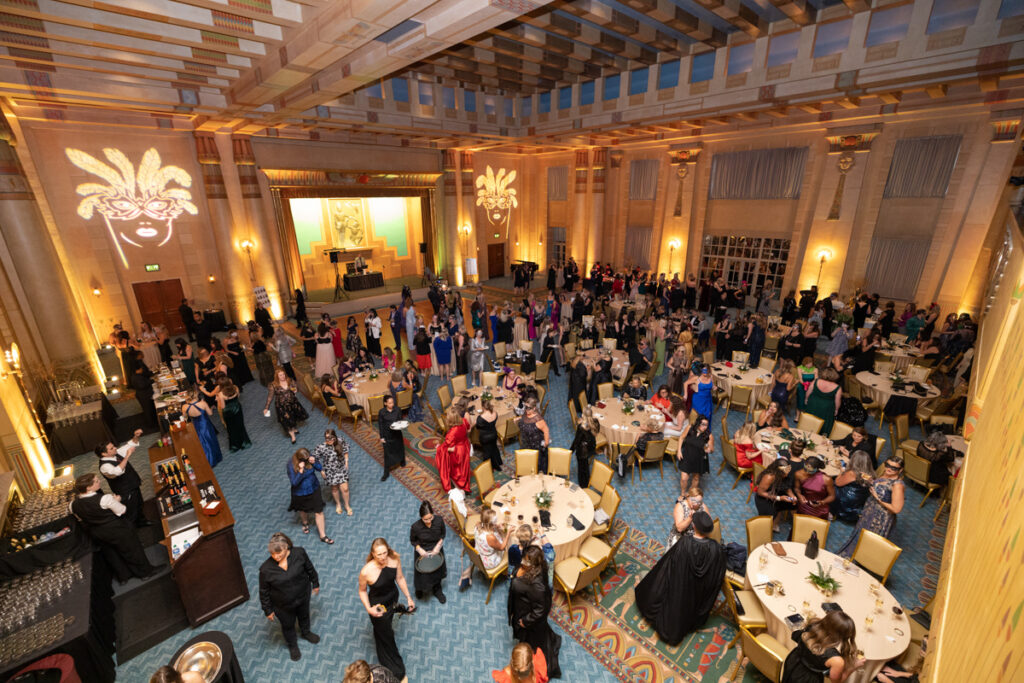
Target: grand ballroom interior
773	196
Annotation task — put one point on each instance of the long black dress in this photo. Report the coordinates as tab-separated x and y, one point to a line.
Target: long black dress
678	593
803	666
394	443
584	445
695	458
529	602
426	537
488	434
240	371
384	591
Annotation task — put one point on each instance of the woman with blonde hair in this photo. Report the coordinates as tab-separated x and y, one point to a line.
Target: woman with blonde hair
526	666
826	648
489	542
746	451
379	582
584	445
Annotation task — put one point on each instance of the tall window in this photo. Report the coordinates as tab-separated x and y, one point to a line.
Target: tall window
741	59
754	260
947	14
832	38
470	100
400	89
426	93
556	244
587	92
783	48
544	102
375	90
668	74
702	67
565	97
526	106
888	25
638	81
490	105
448	97
611	87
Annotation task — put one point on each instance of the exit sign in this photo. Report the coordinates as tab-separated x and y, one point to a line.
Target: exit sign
497	235
152	267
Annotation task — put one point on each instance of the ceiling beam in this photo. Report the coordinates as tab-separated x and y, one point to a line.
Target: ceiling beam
801	12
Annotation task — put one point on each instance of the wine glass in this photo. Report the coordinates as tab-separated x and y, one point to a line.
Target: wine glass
868	621
762	561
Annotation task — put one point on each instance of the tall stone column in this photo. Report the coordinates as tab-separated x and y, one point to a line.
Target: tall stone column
610	249
453	216
578	234
233	271
684	163
598	161
49	301
467	209
259	226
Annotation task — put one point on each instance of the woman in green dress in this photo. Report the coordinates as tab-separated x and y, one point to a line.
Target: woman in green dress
186	359
231	413
659	347
824	397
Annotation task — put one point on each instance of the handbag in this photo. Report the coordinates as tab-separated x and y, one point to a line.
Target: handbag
811	551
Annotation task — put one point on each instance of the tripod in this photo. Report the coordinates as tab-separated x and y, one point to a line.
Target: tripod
339	291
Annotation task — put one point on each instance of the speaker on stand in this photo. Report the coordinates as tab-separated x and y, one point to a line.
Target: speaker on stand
339	291
425	280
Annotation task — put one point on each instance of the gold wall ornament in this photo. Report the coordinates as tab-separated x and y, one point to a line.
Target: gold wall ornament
141	198
846	162
496	197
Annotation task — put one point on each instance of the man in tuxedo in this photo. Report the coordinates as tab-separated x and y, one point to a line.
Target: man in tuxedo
201	329
142	382
187	319
122	478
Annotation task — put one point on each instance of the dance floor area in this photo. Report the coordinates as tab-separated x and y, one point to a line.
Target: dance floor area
603	639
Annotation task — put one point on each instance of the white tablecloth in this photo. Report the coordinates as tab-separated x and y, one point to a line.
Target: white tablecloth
879	388
620	361
518	500
359	388
887	637
503	400
769	440
759	381
902	356
618	427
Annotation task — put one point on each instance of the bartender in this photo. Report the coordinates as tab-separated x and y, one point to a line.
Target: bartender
122	478
103	516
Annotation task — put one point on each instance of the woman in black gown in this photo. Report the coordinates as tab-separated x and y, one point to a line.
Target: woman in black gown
695	443
584	445
529	602
379	582
394	443
487	432
240	371
825	649
427	538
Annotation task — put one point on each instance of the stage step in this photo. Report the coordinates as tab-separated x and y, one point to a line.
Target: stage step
147	611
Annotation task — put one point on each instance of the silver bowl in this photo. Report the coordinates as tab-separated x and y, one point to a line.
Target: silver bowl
204	658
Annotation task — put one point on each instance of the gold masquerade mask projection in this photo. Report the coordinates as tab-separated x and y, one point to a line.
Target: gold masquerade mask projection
140	202
498	199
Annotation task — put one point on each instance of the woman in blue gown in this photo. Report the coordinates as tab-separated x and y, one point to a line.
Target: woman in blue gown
199	412
702	387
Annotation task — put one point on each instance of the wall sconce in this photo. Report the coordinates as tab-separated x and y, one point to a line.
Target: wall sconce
96	291
12	366
823	255
247	246
517	243
211	278
465	230
540	243
673	244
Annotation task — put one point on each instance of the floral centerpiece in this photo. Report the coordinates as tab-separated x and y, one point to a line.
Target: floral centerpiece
628	406
823	581
487	395
808	444
373	375
542	499
744	367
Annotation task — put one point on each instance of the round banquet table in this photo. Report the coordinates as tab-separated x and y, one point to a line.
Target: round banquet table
517	499
620	360
618	427
623	307
902	355
504	401
758	379
359	388
769	440
888	637
879	389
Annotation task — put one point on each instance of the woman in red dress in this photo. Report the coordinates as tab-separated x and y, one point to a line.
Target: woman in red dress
747	453
452	454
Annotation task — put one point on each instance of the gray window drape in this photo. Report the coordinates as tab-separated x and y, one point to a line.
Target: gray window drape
643	178
638	246
921	167
558	183
758	174
895	267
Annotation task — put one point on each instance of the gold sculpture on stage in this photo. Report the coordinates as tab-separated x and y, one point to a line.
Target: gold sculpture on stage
143	197
498	199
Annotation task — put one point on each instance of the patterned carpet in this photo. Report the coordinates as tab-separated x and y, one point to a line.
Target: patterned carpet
465	639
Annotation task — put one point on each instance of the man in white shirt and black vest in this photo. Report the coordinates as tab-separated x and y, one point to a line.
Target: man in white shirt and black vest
122	478
103	516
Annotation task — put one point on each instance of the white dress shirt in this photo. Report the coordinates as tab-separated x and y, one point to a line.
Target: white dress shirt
107	502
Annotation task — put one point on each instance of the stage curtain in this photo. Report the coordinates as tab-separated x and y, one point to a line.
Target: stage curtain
895	266
921	167
638	246
643	178
758	174
558	183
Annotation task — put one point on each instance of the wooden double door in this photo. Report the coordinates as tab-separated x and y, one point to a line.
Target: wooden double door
158	303
495	260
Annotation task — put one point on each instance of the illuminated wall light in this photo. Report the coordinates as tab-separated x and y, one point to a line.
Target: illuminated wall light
96	291
211	278
141	197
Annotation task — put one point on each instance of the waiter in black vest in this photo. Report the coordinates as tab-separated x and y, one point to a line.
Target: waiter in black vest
122	478
103	515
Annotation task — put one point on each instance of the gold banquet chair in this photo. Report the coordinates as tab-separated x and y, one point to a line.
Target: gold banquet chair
765	652
345	410
500	350
445	395
376	404
759	532
572	575
559	462
729	458
508	430
491	574
526	461
840	430
915	468
739	397
753	614
600	476
404	399
466	525
610	504
741	357
809	423
489	378
610	343
483	474
594	550
876	554
459	383
803	525
605	390
655	453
